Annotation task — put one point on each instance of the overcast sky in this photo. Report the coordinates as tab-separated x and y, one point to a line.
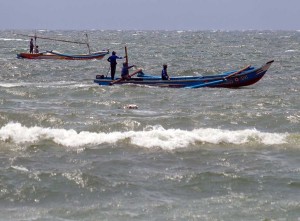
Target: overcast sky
150	14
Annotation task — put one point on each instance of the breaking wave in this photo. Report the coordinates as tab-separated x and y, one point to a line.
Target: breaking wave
154	136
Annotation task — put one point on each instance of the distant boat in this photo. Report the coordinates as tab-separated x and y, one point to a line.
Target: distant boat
232	79
51	54
59	56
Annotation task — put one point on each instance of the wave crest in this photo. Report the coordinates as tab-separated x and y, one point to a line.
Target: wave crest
155	136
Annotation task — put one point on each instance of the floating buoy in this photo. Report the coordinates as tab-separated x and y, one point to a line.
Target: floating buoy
131	106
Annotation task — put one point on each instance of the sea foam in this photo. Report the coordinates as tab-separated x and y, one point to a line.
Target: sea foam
155	136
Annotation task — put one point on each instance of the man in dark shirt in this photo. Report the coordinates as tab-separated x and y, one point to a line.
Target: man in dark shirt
113	64
31	46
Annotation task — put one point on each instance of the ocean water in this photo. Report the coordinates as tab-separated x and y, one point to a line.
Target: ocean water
70	151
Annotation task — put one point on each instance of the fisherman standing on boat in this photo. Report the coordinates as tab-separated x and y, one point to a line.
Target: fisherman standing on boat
164	73
125	71
113	64
31	46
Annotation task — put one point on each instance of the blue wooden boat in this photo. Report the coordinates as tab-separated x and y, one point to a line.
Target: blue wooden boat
232	79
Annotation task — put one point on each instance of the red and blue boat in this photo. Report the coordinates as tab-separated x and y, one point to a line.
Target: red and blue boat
61	56
51	54
231	79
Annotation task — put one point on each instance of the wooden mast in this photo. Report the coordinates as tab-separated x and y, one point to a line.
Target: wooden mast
126	55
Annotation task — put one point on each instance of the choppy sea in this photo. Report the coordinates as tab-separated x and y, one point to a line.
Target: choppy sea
70	151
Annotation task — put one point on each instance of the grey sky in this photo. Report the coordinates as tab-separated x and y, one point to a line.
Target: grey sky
150	14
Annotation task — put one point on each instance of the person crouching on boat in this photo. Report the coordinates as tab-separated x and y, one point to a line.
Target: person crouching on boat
113	64
125	71
36	49
164	73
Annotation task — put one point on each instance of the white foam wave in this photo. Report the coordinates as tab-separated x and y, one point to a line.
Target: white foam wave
291	50
9	85
151	137
20	168
61	84
12	39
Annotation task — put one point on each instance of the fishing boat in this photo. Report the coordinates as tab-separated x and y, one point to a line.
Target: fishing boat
51	54
231	79
60	56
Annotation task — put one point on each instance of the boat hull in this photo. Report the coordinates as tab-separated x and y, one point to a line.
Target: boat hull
231	79
59	56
